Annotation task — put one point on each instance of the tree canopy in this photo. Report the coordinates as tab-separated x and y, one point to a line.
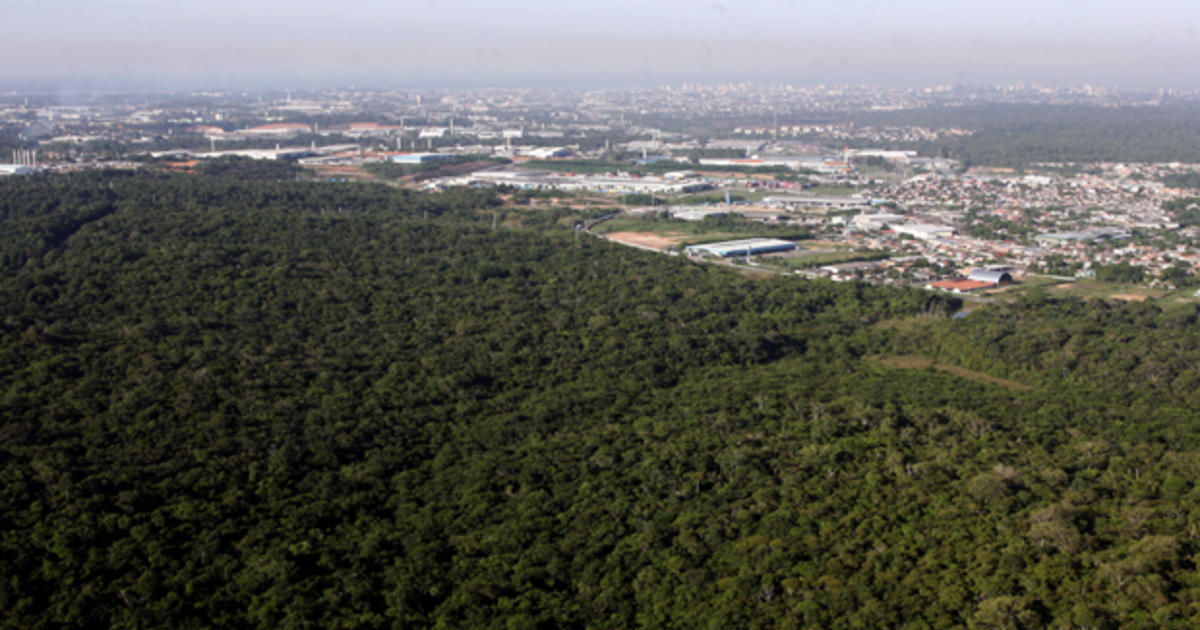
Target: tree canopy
283	404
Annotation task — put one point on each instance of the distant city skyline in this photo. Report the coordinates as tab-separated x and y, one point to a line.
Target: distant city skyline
144	44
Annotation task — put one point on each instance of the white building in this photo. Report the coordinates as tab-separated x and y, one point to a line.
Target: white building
14	169
924	231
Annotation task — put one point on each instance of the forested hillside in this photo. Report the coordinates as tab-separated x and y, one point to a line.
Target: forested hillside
268	404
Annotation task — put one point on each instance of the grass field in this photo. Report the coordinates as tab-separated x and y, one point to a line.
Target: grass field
1091	289
817	253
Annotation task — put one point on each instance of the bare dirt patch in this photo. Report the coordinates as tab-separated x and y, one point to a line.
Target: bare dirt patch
341	171
914	362
647	239
1128	297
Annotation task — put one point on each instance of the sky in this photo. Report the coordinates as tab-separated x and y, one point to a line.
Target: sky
173	44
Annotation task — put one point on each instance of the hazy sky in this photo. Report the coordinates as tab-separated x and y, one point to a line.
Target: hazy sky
336	42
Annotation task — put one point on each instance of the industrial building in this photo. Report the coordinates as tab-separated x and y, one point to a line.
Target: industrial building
997	277
797	163
1090	234
877	221
924	231
829	203
286	153
885	154
540	180
276	129
15	169
697	214
742	247
418	158
545	153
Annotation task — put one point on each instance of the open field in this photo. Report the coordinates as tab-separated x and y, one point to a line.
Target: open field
914	362
1089	289
339	172
817	253
648	239
1095	289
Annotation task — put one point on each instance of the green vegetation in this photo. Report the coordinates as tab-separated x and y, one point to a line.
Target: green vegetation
1182	180
1120	272
1186	210
227	403
395	170
823	256
1019	135
248	169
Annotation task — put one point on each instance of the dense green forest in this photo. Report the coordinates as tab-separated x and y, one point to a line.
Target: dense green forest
252	403
1014	135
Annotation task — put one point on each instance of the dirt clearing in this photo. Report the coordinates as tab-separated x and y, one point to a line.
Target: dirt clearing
647	239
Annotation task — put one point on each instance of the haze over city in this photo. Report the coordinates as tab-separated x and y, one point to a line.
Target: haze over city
75	45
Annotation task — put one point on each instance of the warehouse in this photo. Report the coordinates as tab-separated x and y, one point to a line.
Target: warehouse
541	180
15	169
1090	234
419	158
996	277
838	203
742	247
923	231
